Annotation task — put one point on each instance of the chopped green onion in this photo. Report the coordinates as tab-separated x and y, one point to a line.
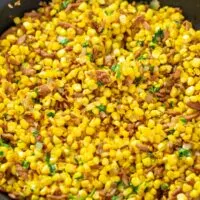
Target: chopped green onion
171	103
101	108
115	198
142	57
52	168
47	158
158	36
25	164
85	44
64	4
183	120
138	80
1	153
51	114
164	186
116	69
170	132
92	193
151	69
64	41
184	152
140	43
39	145
3	144
35	133
108	13
134	188
153	89
79	178
90	56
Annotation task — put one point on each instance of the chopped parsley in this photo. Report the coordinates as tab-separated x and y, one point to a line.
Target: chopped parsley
85	44
1	153
164	186
153	89
35	133
101	108
140	43
64	41
64	4
116	69
183	120
115	198
51	114
25	164
184	152
158	36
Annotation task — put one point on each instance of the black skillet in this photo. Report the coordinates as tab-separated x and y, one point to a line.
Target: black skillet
191	9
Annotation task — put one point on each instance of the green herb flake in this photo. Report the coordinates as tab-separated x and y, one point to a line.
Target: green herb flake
47	158
101	108
153	89
64	4
183	120
164	186
116	69
99	83
108	13
115	198
158	36
35	133
64	41
25	164
184	152
1	153
171	104
85	44
140	43
51	114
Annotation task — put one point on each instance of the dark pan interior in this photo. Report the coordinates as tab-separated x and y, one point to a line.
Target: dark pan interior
191	9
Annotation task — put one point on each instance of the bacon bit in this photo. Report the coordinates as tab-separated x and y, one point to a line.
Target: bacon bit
72	5
187	25
21	171
143	147
124	177
28	72
102	115
139	19
131	129
176	75
11	30
192	116
158	171
102	76
146	25
45	54
43	90
21	39
32	14
128	81
68	25
59	197
166	35
68	48
149	98
12	196
13	61
138	52
7	136
172	52
194	105
176	192
172	112
109	60
98	27
29	118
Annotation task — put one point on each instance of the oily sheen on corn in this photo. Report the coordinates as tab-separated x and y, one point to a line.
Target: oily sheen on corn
100	100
